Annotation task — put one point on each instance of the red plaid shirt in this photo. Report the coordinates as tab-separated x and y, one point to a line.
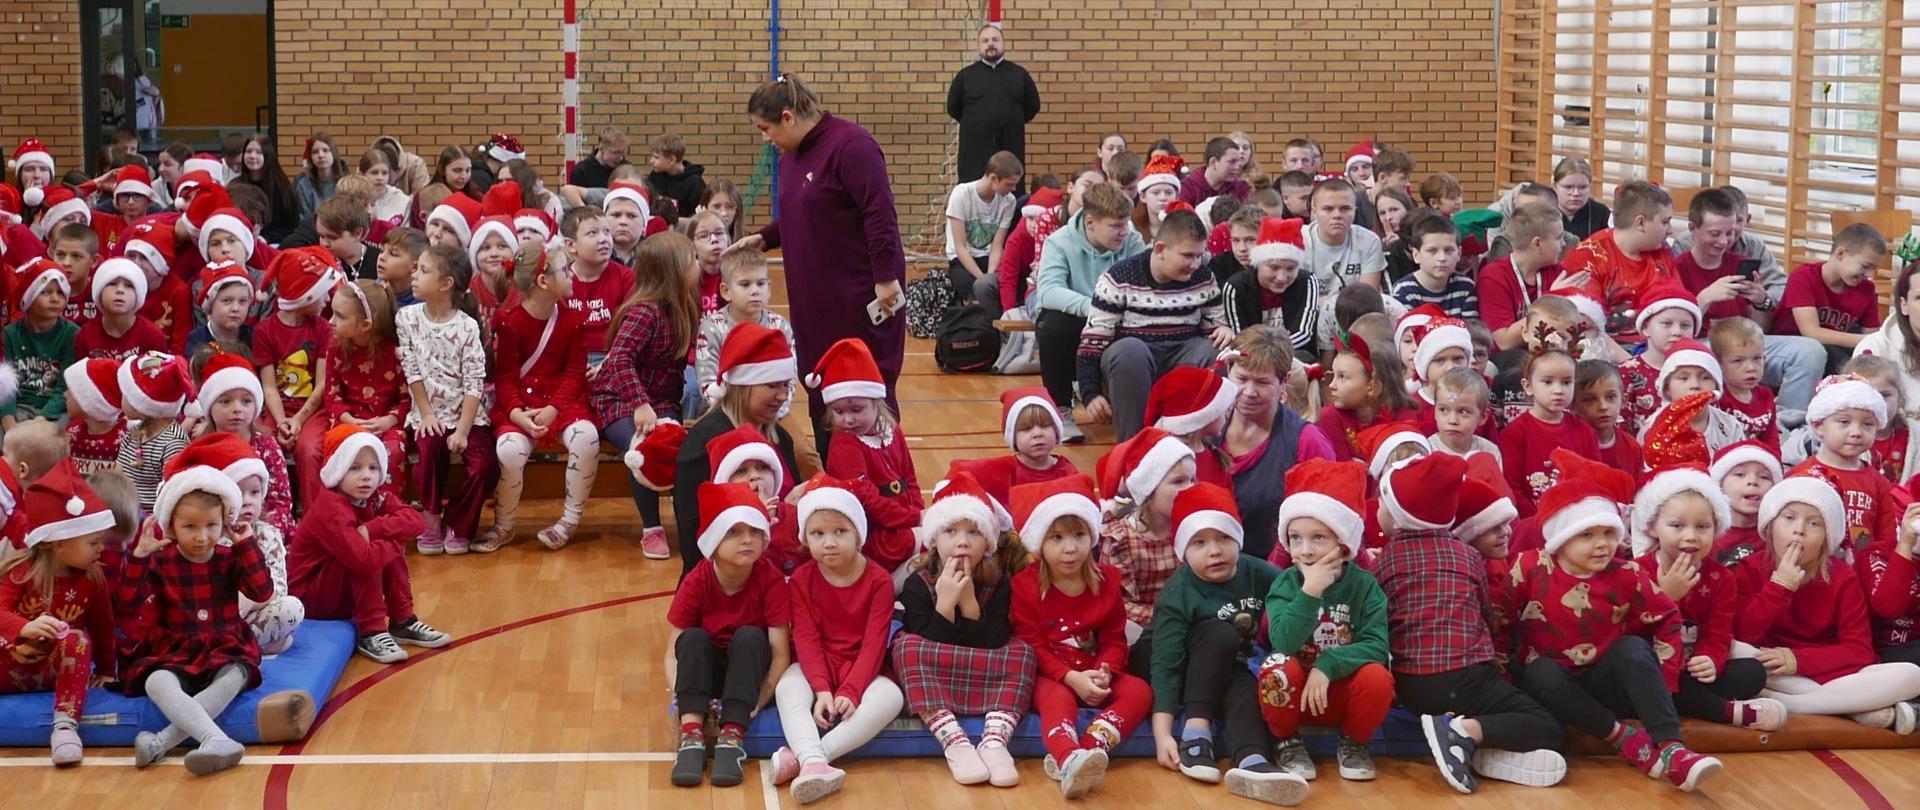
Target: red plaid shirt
641	366
1436	603
1145	565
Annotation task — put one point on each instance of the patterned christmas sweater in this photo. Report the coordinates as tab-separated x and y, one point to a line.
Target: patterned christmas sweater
1129	302
1873	506
1541	611
1707	612
1342	630
1639	397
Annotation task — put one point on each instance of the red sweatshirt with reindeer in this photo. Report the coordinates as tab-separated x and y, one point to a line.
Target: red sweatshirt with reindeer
1541	611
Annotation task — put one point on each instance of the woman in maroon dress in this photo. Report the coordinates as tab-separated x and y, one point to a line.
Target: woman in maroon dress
837	231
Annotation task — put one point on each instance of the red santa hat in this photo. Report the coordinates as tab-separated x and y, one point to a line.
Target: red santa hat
1361	152
10	208
244	463
961	498
206	201
1204	506
1842	392
1744	452
304	276
1418	316
32	276
133	178
1377	443
155	384
223	373
117	269
1663	296
1188	398
651	458
1042	201
1280	240
847	370
1482	509
1664	486
95	383
60	202
202	467
1813	491
152	242
188	188
460	213
61	506
1574	505
342	445
1332	492
1688	353
834	495
30	152
754	355
534	219
501	200
1422	493
1163	170
724	506
631	192
505	146
208	163
220	274
1670	440
231	221
1133	469
1014	401
501	226
1037	506
728	451
1435	336
1618	485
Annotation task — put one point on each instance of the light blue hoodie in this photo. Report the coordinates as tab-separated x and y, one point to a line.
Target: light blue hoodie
1069	265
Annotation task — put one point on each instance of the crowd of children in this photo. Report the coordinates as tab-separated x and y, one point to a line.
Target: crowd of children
1552	485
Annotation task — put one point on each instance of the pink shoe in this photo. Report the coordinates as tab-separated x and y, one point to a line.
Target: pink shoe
453	543
432	541
1000	768
817	781
964	761
653	544
786	766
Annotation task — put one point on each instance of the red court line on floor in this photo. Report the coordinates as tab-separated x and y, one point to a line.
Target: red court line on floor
1862	787
282	774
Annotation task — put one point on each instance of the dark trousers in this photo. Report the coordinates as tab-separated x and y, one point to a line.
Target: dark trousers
1624	681
1058	335
736	672
1740	679
1222	689
620	433
1908	653
961	281
482	466
1509	719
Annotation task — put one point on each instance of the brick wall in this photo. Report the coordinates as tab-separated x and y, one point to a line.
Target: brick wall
40	96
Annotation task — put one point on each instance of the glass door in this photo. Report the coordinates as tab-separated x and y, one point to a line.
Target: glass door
111	64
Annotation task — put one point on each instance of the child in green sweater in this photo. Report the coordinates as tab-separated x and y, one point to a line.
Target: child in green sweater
1327	622
39	343
1204	629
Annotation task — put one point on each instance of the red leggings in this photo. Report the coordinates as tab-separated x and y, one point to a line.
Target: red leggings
1358	702
66	669
1059	710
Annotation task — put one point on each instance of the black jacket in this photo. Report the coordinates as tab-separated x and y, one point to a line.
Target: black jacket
685	188
993	104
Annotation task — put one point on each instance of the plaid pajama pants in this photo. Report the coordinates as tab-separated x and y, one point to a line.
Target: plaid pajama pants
964	680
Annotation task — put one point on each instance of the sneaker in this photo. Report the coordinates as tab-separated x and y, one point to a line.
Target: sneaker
64	742
214	756
1686	769
1637	748
1763	714
492	540
1197	760
1905	717
146	749
380	647
729	761
419	634
963	760
1451	750
785	766
1878	718
653	544
557	536
1265	782
1001	771
454	543
431	542
1292	757
1050	768
1544	767
1084	769
690	761
817	780
1355	762
1070	433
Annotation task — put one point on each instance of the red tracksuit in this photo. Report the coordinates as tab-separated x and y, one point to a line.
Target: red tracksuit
340	575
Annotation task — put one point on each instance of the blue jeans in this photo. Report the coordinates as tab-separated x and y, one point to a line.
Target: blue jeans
646	500
1795	364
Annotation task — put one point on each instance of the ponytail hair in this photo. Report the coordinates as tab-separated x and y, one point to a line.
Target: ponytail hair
453	263
783	95
529	261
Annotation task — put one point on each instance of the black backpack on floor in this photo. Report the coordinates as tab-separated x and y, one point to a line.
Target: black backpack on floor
967	340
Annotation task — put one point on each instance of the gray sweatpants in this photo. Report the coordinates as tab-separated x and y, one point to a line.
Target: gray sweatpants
1131	365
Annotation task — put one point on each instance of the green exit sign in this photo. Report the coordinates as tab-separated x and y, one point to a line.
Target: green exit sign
176	21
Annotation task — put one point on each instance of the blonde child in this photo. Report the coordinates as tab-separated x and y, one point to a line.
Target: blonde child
56	620
1527	441
730	620
1597	401
1139	479
153	391
273	620
199	654
868	443
710	238
445	361
833	698
540	390
1741	349
744	291
119	290
1896	445
226	300
365	384
1845	414
348	558
492	253
229	399
97	424
1668	314
1744	472
1460	407
289	346
1068	609
1030	425
1364	388
956	652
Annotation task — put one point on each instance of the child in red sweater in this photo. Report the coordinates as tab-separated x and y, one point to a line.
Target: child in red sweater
1192	403
1896	445
833	698
1530	438
1031	426
868	443
1067	607
1741	348
1892	581
540	394
1676	518
1365	387
744	456
288	348
348	558
1597	402
600	284
365	384
1806	617
169	300
1745	472
1845	414
1668	314
97	423
1595	639
120	331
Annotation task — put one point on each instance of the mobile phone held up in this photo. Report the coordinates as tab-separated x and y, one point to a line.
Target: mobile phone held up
1748	269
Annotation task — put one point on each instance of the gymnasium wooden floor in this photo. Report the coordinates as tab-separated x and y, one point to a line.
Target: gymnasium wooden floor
553	697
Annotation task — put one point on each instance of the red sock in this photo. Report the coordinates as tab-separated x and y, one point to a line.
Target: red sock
1740	714
1619	731
692	729
733	730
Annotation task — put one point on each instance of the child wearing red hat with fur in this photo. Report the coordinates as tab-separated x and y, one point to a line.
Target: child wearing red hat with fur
169	301
289	347
97	424
1845	414
1744	471
226	302
1668	314
349	559
119	291
744	456
1030	424
1139	479
1192	403
868	442
153	394
229	400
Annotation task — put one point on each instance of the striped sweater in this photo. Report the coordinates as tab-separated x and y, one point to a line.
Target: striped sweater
1128	302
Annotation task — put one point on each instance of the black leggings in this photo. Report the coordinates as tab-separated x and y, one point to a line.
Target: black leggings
1058	336
736	672
1222	690
1624	680
1740	679
1908	653
1509	719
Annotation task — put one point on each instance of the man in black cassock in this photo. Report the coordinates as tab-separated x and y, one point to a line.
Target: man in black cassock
993	99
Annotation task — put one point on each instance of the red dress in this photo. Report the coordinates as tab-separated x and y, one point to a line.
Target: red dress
368	383
840	634
1525	447
1572	620
889	467
554	354
198	606
1873	506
